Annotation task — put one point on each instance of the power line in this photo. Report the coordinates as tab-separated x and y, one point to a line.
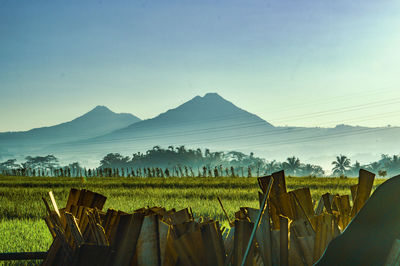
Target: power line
341	110
271	143
207	130
181	133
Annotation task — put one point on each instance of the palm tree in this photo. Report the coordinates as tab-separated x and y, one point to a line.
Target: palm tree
10	164
272	167
156	148
199	152
374	167
291	165
355	168
181	149
311	170
341	165
306	169
317	171
385	159
393	166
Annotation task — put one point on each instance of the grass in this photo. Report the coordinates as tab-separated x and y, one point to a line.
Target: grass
21	208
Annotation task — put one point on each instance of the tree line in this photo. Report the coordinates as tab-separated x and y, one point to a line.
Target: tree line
386	166
180	161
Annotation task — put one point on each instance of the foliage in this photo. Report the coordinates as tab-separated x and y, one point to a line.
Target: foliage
223	163
386	166
114	160
42	162
341	165
291	165
9	164
382	173
180	161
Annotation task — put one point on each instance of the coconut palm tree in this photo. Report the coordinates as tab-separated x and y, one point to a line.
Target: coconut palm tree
354	169
181	149
291	165
306	169
385	159
199	152
271	167
393	165
9	164
311	170
207	153
341	165
374	167
317	171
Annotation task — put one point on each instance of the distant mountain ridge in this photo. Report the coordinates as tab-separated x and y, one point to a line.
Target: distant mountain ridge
98	121
201	121
197	120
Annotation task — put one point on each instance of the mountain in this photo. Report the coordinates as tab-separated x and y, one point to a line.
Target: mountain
211	112
213	122
201	121
97	122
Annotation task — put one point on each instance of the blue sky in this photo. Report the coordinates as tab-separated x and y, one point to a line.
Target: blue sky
300	63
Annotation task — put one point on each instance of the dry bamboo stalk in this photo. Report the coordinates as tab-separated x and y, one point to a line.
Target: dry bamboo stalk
275	237
284	241
54	203
74	229
364	188
320	207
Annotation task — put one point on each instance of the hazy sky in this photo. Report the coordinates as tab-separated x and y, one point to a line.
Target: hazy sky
301	63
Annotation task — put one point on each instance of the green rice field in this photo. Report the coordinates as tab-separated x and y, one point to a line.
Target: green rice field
21	208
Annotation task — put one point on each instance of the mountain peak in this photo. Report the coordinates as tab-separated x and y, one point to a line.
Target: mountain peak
210	107
98	111
212	95
101	108
102	113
